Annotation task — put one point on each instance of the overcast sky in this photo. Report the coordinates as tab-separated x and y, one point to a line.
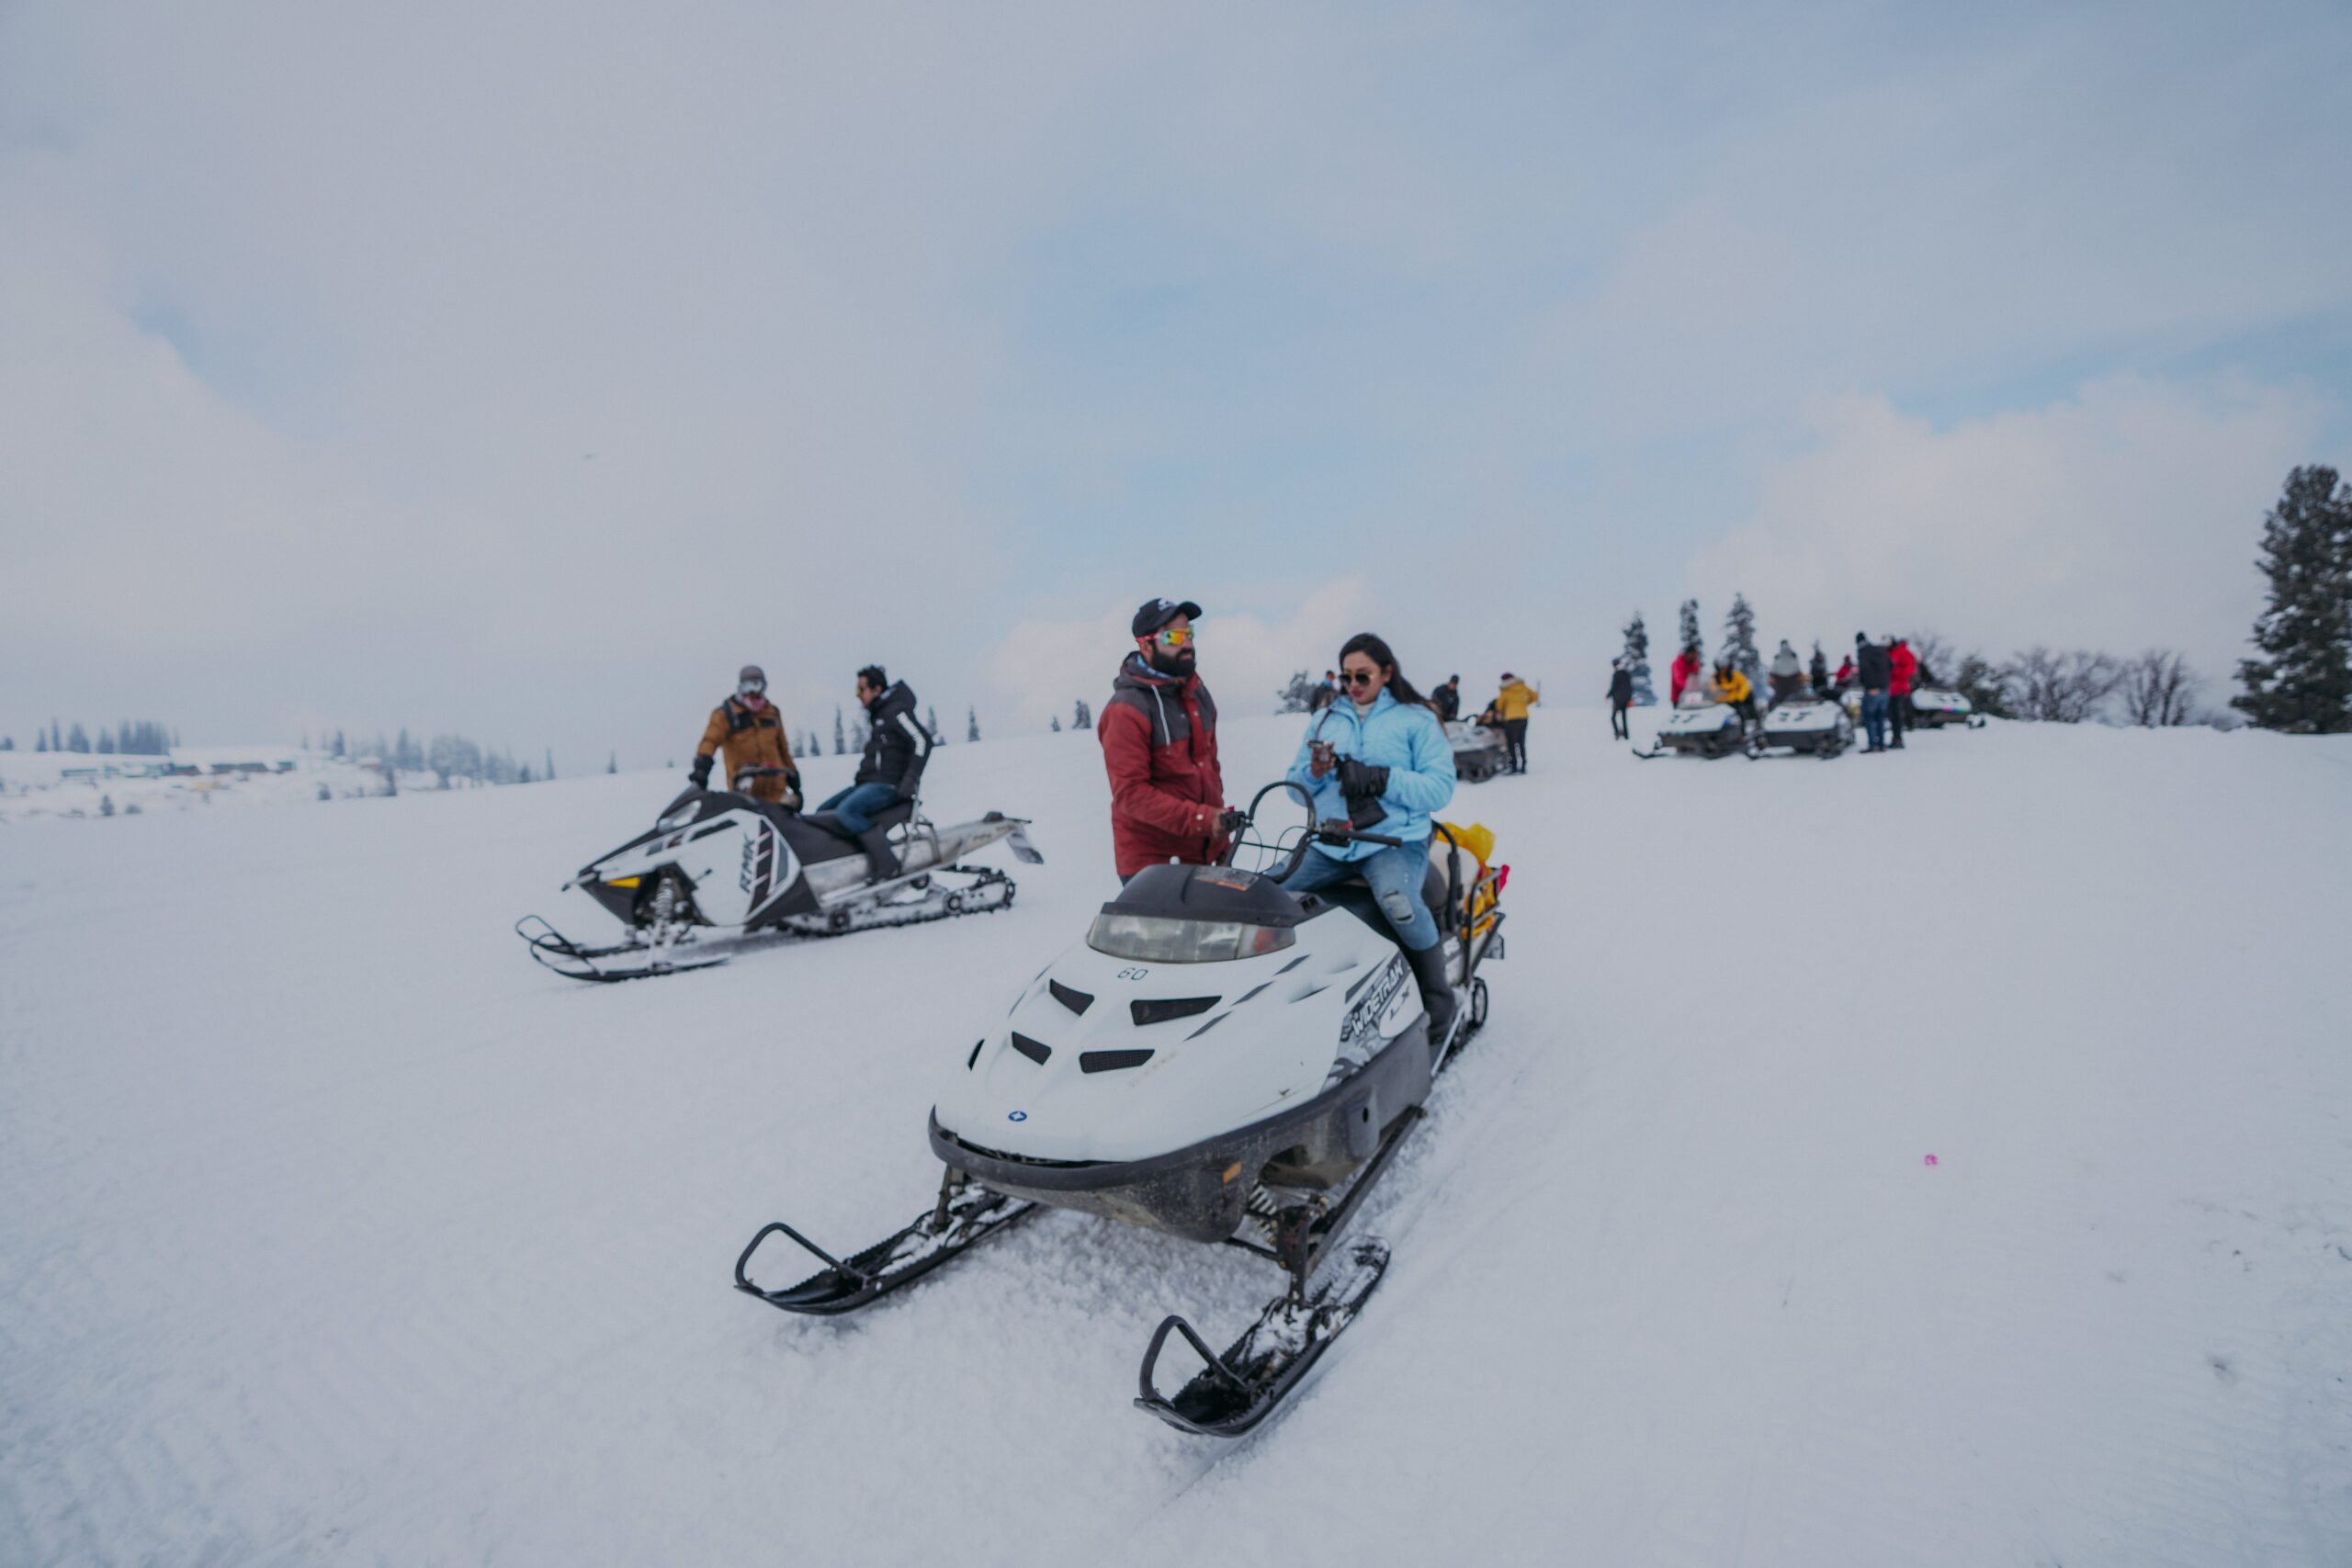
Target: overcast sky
522	369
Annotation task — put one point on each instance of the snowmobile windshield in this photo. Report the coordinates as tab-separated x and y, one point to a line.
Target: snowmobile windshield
1158	939
680	812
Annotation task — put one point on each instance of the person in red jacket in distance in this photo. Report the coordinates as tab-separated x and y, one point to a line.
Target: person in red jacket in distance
1903	666
1159	736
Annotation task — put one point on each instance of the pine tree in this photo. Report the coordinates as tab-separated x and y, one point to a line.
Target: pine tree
840	734
78	741
106	743
1084	718
338	744
930	723
2302	684
971	724
1739	641
549	772
1637	662
1690	639
7	742
1057	723
613	763
40	739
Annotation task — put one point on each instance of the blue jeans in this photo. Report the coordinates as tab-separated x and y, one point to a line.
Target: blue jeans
1396	878
1874	717
856	805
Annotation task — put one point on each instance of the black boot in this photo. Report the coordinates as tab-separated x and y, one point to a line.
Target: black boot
875	842
1437	993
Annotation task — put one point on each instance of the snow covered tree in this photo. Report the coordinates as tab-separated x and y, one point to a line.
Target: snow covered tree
1739	641
1984	684
840	734
1299	695
78	741
338	744
1637	660
930	723
40	739
2159	690
2302	683
971	724
1084	718
1690	636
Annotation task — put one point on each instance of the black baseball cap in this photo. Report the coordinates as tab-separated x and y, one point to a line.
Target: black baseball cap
1157	613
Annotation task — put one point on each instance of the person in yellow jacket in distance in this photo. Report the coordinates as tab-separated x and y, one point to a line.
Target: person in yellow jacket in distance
1510	706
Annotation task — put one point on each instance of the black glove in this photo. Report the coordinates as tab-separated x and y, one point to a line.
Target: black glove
792	780
700	772
1230	823
906	790
1361	780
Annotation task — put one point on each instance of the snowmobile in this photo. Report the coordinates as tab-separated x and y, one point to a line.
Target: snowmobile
1810	725
1933	707
1703	729
1479	752
718	866
1218	1059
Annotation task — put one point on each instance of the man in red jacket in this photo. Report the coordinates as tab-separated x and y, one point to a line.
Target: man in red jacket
1904	666
1159	735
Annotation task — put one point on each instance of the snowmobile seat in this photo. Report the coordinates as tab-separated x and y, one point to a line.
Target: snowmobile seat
1354	895
888	816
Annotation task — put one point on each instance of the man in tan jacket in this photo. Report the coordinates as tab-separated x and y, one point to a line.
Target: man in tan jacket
747	728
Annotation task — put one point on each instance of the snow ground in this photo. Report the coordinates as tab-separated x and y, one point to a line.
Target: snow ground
338	1232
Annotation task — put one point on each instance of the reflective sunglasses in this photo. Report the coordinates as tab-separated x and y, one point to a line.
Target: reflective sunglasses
1358	677
750	688
1178	637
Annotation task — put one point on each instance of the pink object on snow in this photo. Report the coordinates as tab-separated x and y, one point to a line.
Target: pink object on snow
1931	1159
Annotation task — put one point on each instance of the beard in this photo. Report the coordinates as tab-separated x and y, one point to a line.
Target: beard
1178	662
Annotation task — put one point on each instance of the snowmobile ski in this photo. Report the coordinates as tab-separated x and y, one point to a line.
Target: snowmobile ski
1234	1392
560	954
965	1215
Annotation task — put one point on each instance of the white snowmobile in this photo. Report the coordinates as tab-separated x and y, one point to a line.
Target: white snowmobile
1815	726
1479	752
1219	1059
718	866
1933	707
1699	728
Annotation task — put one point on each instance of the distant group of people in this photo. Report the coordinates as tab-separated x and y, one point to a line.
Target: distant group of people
1887	673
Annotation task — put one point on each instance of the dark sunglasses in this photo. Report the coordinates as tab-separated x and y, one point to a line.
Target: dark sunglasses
1358	677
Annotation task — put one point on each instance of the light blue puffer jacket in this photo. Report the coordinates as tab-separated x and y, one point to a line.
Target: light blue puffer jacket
1404	737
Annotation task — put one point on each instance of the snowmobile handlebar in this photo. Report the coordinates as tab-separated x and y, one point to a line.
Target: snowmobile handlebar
1337	831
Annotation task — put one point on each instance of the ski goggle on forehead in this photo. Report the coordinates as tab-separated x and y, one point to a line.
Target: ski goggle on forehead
1177	637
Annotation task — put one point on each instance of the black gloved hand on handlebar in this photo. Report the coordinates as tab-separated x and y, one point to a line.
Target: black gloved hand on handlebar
1230	823
700	772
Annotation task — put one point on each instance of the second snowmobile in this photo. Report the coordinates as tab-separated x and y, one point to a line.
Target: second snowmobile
1933	707
1218	1059
1812	726
718	865
1479	752
1707	729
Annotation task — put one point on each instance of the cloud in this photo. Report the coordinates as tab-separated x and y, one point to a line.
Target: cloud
2122	518
1042	667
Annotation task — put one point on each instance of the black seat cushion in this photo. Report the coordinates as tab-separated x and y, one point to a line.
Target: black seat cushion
888	816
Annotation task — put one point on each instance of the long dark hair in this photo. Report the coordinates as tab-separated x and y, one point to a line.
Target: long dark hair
1374	648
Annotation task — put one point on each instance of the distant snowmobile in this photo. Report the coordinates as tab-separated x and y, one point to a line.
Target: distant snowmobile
1218	1059
1812	726
1933	707
1479	752
1709	730
719	865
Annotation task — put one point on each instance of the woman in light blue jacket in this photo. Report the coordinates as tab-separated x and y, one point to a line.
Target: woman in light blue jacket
1379	758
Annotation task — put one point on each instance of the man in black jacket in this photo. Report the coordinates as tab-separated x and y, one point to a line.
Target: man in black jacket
896	746
1875	670
1621	697
1447	699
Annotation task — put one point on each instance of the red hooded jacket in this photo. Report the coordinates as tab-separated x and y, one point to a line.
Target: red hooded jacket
1902	664
1685	669
1159	736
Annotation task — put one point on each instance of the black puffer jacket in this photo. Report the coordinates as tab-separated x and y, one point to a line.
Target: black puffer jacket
898	745
1872	665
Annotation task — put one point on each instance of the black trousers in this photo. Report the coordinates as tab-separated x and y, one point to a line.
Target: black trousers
1617	726
1898	717
1515	733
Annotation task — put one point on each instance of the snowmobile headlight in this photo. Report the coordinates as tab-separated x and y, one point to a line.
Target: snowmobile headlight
679	817
1159	939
